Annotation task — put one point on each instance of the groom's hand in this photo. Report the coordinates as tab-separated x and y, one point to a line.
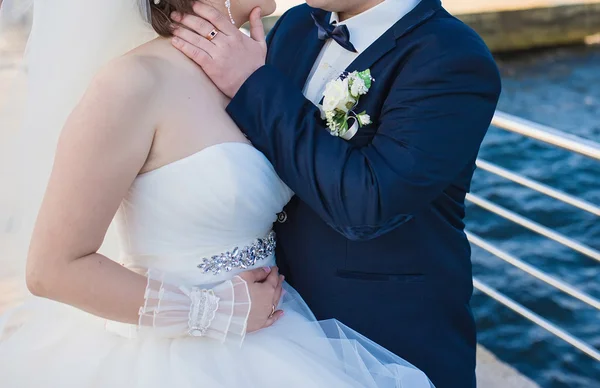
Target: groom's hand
230	57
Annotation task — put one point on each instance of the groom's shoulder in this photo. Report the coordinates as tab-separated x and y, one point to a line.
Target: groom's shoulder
448	45
444	32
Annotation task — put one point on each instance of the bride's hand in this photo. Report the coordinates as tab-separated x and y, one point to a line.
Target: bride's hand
265	287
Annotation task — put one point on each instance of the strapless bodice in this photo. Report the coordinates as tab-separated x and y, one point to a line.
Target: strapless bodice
224	197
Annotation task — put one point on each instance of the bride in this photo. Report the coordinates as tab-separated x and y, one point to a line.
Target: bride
192	298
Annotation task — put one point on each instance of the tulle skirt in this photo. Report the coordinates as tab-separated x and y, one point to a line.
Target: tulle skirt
47	344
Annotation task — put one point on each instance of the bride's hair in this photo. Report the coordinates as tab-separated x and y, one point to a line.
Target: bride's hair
160	14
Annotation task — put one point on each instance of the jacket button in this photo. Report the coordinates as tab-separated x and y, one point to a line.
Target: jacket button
282	217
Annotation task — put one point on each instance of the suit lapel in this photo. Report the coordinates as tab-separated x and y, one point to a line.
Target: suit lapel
421	13
372	54
308	48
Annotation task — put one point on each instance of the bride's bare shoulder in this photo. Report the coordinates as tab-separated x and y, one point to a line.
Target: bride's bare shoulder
133	74
155	67
128	88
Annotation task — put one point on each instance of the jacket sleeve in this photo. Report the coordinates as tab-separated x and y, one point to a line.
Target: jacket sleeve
431	126
273	30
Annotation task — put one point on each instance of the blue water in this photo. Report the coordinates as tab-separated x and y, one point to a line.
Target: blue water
560	88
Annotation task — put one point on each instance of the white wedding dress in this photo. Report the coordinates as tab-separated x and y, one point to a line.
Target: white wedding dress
207	204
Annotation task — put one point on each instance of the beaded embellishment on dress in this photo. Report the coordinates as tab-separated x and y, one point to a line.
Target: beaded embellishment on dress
240	258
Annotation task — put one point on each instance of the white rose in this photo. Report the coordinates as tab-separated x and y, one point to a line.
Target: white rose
364	119
336	95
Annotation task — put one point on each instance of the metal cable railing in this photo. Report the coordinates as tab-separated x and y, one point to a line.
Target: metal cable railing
534	226
533	271
568	142
539	187
535	318
547	135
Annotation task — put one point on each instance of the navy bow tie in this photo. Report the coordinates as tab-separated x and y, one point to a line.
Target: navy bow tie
339	33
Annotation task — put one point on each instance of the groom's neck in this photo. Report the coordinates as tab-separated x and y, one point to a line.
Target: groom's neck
358	8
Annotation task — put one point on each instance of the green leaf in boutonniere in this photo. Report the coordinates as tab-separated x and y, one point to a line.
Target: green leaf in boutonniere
366	77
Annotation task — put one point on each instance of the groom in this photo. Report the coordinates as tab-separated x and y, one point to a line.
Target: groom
374	236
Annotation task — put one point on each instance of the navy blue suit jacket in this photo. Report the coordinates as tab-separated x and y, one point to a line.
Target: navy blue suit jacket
374	236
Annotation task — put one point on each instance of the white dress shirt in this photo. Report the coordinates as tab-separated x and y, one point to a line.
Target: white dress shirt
365	29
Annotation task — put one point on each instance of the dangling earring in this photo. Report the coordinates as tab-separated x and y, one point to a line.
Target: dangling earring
228	6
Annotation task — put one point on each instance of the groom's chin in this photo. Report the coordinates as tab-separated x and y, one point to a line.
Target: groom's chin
321	4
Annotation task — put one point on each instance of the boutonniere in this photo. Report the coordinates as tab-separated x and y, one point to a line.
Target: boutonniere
340	98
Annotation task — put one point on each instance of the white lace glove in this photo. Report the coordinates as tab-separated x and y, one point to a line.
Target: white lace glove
173	311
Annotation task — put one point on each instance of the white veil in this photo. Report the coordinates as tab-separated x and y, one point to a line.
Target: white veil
69	41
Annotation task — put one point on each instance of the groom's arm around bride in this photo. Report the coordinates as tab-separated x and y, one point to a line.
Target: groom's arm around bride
375	235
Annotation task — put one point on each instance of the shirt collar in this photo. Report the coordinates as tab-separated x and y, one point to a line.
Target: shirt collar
367	27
